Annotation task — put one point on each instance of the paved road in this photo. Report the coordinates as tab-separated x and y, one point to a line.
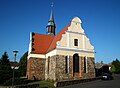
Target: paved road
98	84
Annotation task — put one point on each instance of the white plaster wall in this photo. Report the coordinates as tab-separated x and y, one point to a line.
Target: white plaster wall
72	52
51	53
36	55
66	44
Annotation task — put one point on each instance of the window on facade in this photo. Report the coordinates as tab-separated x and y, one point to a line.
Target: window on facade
75	42
84	64
48	64
66	64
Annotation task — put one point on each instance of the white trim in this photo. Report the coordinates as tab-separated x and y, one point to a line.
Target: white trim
68	39
68	63
75	32
68	29
76	22
83	38
75	49
86	65
58	43
37	55
76	18
51	53
30	44
63	35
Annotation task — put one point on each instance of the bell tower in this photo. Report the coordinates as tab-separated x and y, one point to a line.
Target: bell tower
51	24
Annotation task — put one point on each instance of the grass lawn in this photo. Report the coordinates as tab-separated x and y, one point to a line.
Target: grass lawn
23	81
44	84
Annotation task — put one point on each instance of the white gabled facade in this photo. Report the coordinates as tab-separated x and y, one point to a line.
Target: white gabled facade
66	44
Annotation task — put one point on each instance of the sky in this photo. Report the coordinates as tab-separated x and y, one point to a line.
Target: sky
100	21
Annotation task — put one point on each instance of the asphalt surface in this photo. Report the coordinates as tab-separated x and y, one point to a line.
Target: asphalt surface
115	83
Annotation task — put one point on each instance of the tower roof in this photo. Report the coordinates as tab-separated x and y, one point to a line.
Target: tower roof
51	24
51	20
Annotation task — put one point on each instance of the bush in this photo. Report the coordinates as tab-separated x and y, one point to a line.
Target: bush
17	81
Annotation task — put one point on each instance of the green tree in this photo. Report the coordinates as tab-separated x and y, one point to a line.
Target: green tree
116	64
5	68
23	64
112	69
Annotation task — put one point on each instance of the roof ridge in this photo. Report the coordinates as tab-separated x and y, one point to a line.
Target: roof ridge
55	39
49	45
42	34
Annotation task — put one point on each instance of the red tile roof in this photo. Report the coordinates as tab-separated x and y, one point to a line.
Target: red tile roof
41	43
44	43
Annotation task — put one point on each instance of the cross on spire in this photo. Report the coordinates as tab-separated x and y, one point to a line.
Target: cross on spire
52	4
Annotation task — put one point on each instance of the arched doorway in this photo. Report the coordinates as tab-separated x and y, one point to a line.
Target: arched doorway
75	64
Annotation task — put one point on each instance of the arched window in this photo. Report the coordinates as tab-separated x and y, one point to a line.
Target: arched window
75	63
84	64
48	64
66	64
75	42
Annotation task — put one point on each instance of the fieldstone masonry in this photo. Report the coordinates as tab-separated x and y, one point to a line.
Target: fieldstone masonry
51	74
36	69
53	68
57	69
90	68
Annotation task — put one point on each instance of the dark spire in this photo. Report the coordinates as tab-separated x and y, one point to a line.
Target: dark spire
51	24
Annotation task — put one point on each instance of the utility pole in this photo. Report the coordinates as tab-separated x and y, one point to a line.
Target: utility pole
15	54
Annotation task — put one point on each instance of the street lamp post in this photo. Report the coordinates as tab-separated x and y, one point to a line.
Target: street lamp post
15	54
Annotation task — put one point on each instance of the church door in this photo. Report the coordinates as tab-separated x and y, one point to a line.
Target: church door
75	65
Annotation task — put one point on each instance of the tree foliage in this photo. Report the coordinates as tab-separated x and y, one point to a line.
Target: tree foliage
23	64
5	68
112	68
115	66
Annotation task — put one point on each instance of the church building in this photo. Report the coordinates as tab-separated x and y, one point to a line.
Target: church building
67	55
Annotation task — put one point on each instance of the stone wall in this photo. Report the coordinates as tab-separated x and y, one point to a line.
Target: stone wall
61	73
28	68
36	69
60	67
51	68
57	69
90	68
54	68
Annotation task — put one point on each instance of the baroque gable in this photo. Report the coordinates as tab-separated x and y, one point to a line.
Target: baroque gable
75	33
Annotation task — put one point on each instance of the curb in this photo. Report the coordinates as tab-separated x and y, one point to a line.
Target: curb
72	82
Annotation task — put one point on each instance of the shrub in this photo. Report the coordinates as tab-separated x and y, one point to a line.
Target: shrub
17	81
